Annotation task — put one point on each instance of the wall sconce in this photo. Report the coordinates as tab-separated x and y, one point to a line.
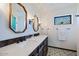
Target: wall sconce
30	21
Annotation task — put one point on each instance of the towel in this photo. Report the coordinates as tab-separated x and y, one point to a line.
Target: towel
62	34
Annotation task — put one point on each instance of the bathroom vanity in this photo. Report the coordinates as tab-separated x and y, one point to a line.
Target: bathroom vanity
41	49
34	46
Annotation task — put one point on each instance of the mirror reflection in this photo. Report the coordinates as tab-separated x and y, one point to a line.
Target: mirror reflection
17	18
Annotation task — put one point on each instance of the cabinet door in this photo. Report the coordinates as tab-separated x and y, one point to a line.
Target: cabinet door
35	52
41	47
41	51
45	49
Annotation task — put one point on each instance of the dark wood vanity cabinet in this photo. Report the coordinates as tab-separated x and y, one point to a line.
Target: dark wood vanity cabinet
41	50
45	49
35	52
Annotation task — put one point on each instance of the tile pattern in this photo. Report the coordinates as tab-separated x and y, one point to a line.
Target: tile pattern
60	52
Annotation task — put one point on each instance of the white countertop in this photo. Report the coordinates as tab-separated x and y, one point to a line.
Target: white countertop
23	48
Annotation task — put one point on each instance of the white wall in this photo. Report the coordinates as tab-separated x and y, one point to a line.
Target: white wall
47	14
69	43
77	29
5	32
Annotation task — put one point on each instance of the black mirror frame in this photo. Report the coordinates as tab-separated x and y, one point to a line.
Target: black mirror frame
37	24
10	13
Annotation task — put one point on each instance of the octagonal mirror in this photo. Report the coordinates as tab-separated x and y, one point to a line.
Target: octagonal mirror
35	23
17	17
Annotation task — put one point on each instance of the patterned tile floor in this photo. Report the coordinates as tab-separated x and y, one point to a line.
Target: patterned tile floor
60	52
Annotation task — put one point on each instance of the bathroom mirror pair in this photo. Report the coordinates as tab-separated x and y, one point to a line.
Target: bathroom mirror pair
18	18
